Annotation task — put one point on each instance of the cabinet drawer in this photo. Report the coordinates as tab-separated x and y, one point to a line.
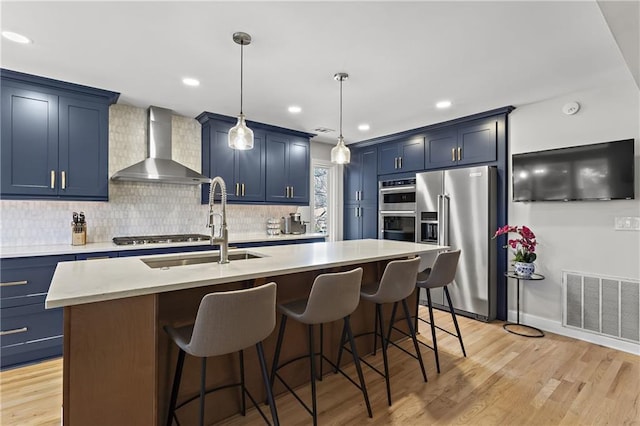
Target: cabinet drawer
23	280
28	324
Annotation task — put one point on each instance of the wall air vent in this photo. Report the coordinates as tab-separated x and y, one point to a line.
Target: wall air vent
323	130
602	305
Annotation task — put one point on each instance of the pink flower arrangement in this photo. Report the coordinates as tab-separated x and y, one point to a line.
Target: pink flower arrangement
524	247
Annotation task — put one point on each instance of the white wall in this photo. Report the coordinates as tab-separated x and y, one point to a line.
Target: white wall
577	236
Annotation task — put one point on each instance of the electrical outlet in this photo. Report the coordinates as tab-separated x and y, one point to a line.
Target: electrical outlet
627	223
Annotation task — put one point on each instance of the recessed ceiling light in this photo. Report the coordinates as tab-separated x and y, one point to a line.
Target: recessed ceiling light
364	127
190	81
295	109
18	38
443	104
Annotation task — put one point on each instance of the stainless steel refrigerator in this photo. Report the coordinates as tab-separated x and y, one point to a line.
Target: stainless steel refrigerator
458	208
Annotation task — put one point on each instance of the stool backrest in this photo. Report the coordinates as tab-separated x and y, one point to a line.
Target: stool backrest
444	269
398	280
333	296
229	321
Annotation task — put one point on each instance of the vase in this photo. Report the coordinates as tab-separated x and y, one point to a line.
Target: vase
523	269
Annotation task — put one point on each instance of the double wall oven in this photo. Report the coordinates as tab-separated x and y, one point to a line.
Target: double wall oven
397	209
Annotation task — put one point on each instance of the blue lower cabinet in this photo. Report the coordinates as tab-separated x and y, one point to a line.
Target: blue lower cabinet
98	255
29	333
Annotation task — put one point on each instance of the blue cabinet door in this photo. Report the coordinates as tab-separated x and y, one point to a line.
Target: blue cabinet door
83	149
276	163
29	142
250	171
411	154
299	158
352	225
441	149
361	177
221	159
478	142
369	218
388	158
369	176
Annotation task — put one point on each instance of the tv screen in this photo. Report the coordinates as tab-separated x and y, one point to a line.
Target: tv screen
602	171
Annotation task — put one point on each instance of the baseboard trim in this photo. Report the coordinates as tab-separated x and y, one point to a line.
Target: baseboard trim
557	328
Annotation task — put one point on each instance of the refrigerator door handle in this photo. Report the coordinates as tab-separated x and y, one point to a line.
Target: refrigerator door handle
443	219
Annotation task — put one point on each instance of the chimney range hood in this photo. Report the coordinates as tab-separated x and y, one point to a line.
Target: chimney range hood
159	167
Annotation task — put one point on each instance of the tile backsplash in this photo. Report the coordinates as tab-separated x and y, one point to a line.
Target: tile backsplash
133	208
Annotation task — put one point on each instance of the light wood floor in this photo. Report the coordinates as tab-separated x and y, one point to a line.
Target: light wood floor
505	380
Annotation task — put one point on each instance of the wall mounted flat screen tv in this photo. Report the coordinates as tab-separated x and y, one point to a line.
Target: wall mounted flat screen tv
602	171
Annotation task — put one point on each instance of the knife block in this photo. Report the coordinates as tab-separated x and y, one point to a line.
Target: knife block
78	234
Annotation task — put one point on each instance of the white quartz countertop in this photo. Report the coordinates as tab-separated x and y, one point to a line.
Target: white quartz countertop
99	280
61	249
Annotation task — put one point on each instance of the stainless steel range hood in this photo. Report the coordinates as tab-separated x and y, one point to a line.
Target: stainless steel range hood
159	167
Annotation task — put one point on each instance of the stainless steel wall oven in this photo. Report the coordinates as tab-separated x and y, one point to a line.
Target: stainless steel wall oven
397	209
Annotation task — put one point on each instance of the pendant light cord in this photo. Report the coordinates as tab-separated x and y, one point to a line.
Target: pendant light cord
341	106
241	72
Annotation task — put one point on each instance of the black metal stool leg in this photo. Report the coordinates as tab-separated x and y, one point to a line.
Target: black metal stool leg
203	388
276	356
176	387
267	384
356	361
243	402
375	333
384	350
433	330
412	331
321	349
341	348
455	320
312	366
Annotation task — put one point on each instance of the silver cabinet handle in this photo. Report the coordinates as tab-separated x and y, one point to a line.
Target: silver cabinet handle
64	179
53	179
286	192
395	163
292	192
453	154
459	153
242	186
12	283
14	331
400	162
356	211
237	189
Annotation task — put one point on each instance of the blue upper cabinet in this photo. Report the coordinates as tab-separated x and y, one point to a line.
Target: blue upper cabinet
275	171
242	171
403	156
287	169
55	139
475	142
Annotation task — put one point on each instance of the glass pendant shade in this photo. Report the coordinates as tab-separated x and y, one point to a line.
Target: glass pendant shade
240	136
340	154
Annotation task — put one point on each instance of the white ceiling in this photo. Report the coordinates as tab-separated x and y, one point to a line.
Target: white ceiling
402	57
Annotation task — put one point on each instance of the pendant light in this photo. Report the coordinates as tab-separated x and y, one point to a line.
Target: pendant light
240	136
340	154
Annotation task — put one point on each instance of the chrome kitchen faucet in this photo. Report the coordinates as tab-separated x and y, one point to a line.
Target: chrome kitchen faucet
223	235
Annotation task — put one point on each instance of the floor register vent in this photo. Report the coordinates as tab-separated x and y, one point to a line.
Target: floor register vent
602	305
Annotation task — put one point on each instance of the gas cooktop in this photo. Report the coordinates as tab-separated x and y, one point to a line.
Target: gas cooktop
159	239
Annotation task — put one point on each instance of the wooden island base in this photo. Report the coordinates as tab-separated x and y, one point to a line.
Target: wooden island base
119	363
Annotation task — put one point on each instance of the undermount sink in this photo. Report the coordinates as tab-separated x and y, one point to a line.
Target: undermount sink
191	259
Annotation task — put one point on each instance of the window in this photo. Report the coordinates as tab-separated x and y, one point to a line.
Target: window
324	200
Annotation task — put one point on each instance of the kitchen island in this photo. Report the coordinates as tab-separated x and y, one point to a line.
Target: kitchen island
118	362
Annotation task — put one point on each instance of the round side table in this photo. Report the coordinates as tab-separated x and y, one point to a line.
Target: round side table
512	327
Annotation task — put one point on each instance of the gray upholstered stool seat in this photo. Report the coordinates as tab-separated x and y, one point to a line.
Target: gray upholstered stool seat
396	285
333	297
441	274
222	326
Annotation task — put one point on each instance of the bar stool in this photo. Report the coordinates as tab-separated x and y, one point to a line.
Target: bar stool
441	274
397	283
333	296
223	326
